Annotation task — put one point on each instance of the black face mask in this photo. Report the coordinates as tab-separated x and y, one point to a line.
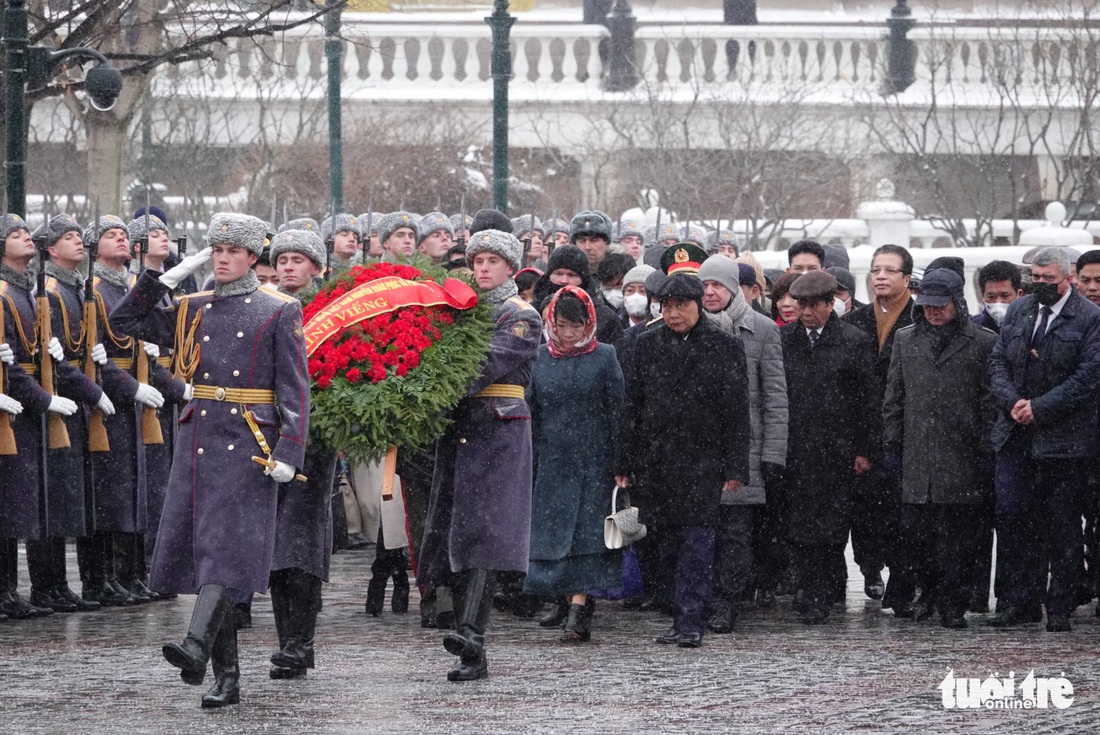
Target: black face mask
1047	293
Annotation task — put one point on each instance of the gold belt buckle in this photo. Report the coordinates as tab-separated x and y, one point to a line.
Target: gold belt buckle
219	394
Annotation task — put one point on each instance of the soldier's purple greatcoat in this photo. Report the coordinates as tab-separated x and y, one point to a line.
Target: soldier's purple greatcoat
22	497
70	494
218	525
121	498
479	516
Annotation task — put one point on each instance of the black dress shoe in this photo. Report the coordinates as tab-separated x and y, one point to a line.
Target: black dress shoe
557	615
16	608
104	594
671	637
873	586
82	605
690	640
923	608
47	598
1010	617
129	597
1058	623
226	691
907	610
139	590
815	614
723	619
953	620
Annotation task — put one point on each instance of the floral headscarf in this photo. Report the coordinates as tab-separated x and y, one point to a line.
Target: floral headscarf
587	342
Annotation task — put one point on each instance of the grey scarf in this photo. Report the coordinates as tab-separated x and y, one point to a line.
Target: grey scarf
501	293
737	308
65	275
15	278
246	284
110	275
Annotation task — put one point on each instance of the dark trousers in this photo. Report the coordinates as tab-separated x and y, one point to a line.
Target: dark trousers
691	550
771	552
820	519
1039	522
653	564
733	552
983	551
942	541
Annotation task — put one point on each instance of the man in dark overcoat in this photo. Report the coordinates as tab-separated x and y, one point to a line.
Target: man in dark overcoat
685	440
938	415
23	492
833	430
1045	373
303	526
119	476
243	349
479	515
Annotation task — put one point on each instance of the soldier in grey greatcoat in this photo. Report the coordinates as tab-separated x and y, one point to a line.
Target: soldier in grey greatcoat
243	350
479	516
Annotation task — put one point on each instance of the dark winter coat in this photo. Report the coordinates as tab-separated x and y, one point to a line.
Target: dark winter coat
985	320
1064	400
685	428
939	413
575	408
25	501
119	476
479	515
218	525
71	497
864	319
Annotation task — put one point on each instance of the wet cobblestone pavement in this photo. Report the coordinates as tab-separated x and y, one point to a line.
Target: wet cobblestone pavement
863	671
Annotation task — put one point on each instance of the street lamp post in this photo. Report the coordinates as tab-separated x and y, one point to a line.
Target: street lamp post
334	53
31	67
501	70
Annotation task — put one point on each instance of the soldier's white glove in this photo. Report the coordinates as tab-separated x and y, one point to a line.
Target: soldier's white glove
55	349
63	406
187	266
281	472
188	391
149	395
10	405
99	354
151	350
105	405
7	355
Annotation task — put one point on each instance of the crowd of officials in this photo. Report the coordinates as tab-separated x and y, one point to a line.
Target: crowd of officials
757	420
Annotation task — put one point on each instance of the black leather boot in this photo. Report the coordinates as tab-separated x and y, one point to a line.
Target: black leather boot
190	656
11	604
304	604
376	595
557	615
280	608
227	672
61	589
126	570
399	601
578	628
91	555
473	596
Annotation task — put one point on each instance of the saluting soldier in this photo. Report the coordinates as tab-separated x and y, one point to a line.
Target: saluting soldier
22	490
479	516
69	496
120	482
244	350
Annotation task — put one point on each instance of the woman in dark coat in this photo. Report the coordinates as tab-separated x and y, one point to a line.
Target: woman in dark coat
576	396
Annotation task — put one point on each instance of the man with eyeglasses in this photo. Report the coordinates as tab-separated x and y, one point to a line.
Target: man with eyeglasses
876	506
1045	370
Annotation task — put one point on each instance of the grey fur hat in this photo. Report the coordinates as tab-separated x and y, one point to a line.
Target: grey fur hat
394	221
53	229
637	274
554	225
723	236
306	242
591	223
302	223
693	234
503	244
369	218
137	230
95	230
456	221
625	228
522	225
13	222
668	232
244	230
343	223
433	222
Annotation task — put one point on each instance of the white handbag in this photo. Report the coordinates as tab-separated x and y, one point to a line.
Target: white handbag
622	528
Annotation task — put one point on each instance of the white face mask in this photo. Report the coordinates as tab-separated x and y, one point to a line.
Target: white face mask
636	305
997	311
613	296
839	307
655	310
